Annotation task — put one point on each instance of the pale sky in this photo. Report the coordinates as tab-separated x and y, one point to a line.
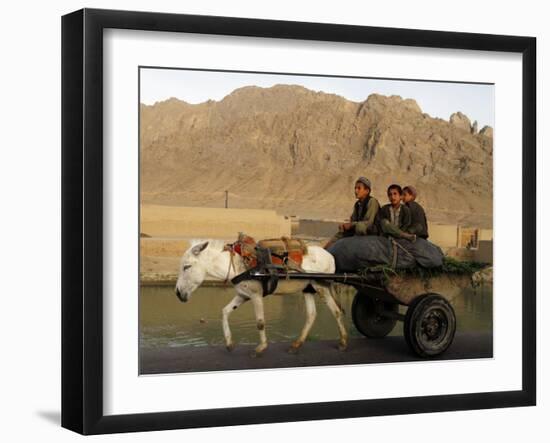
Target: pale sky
438	99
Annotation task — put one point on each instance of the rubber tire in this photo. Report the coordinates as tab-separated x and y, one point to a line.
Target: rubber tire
365	319
413	329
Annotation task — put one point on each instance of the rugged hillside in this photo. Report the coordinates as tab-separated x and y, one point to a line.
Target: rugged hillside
299	152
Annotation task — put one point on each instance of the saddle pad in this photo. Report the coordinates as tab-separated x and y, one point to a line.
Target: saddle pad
294	249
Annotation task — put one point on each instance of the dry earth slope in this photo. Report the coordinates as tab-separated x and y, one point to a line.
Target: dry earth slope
299	151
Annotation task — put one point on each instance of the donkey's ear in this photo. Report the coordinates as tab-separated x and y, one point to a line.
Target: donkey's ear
199	248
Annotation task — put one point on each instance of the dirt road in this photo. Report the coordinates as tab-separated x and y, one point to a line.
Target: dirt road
315	353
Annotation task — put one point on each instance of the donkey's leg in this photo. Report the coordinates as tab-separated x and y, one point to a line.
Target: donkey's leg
227	310
258	302
311	313
327	296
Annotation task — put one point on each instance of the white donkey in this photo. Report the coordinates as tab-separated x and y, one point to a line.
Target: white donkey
208	259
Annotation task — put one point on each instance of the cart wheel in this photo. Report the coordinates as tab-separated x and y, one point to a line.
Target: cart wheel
430	325
366	318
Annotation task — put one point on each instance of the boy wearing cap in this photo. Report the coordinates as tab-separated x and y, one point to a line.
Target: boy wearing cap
419	224
363	217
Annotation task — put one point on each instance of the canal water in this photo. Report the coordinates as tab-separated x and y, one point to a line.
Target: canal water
167	322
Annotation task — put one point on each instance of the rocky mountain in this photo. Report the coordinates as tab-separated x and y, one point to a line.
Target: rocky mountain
299	152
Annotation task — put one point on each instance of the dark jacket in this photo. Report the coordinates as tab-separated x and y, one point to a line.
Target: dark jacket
419	224
384	214
363	216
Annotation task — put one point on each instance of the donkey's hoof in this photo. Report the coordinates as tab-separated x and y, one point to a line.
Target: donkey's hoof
294	347
342	346
230	346
259	351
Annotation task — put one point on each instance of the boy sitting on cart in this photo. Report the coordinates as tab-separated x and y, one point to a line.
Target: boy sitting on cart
419	224
363	217
394	219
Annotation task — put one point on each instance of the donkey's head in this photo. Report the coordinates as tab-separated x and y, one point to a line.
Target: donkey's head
192	271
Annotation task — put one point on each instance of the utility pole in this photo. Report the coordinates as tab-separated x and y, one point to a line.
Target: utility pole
226	199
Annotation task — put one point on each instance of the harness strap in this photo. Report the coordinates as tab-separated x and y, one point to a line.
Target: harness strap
404	249
285	241
287	261
231	264
396	245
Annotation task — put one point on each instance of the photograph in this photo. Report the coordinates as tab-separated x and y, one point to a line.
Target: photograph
289	219
299	220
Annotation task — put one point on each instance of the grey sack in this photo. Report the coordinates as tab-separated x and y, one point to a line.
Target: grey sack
353	254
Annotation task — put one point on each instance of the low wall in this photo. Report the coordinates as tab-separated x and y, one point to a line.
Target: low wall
449	236
445	236
188	222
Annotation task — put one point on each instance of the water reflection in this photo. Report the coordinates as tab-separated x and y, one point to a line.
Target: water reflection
166	322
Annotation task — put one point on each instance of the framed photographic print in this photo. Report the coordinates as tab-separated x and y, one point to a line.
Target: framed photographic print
262	218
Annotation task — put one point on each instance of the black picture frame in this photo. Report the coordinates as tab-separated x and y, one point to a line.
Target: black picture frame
82	218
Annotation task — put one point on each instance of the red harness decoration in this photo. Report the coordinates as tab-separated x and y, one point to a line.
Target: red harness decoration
284	251
245	246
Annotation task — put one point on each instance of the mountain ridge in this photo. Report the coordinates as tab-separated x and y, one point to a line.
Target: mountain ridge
299	151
